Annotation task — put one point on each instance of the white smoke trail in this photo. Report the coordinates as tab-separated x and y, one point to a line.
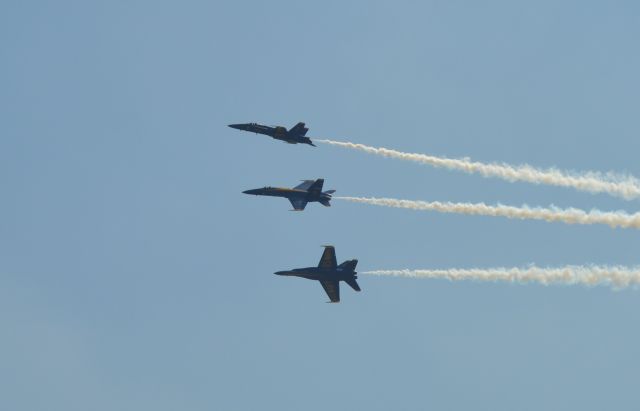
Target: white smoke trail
624	186
616	276
568	216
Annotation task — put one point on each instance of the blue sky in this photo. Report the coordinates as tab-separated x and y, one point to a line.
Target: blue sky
135	275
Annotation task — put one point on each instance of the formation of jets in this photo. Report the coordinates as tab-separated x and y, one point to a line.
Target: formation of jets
328	272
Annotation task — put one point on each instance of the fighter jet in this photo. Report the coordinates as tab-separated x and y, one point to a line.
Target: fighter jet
329	273
294	136
300	195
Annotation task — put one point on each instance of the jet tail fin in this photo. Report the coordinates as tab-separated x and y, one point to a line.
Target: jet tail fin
316	187
299	130
325	203
353	284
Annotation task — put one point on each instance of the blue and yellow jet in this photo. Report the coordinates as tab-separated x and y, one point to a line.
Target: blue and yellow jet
294	136
329	273
300	195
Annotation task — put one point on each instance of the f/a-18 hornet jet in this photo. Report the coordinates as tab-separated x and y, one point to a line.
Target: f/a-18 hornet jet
300	195
294	136
329	273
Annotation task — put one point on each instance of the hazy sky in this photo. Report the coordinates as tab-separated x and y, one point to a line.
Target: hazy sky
135	275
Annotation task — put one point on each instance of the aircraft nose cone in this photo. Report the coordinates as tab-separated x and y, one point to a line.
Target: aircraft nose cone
254	192
280	273
244	127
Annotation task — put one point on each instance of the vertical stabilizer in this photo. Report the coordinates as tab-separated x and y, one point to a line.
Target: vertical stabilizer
299	130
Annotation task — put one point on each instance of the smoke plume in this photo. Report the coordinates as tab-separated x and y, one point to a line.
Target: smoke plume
624	186
615	276
553	214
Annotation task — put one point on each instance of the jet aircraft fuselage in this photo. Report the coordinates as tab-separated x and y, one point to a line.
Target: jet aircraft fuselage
317	273
328	273
299	196
296	135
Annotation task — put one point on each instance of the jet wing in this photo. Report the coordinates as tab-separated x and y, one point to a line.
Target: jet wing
332	288
305	185
298	205
328	259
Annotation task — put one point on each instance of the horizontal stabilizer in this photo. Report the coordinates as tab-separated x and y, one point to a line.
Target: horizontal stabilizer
353	283
325	203
349	265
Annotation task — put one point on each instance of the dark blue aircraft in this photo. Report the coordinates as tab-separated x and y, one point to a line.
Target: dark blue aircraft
329	273
294	136
300	195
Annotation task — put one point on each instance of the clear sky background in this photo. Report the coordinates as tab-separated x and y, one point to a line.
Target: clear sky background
134	275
